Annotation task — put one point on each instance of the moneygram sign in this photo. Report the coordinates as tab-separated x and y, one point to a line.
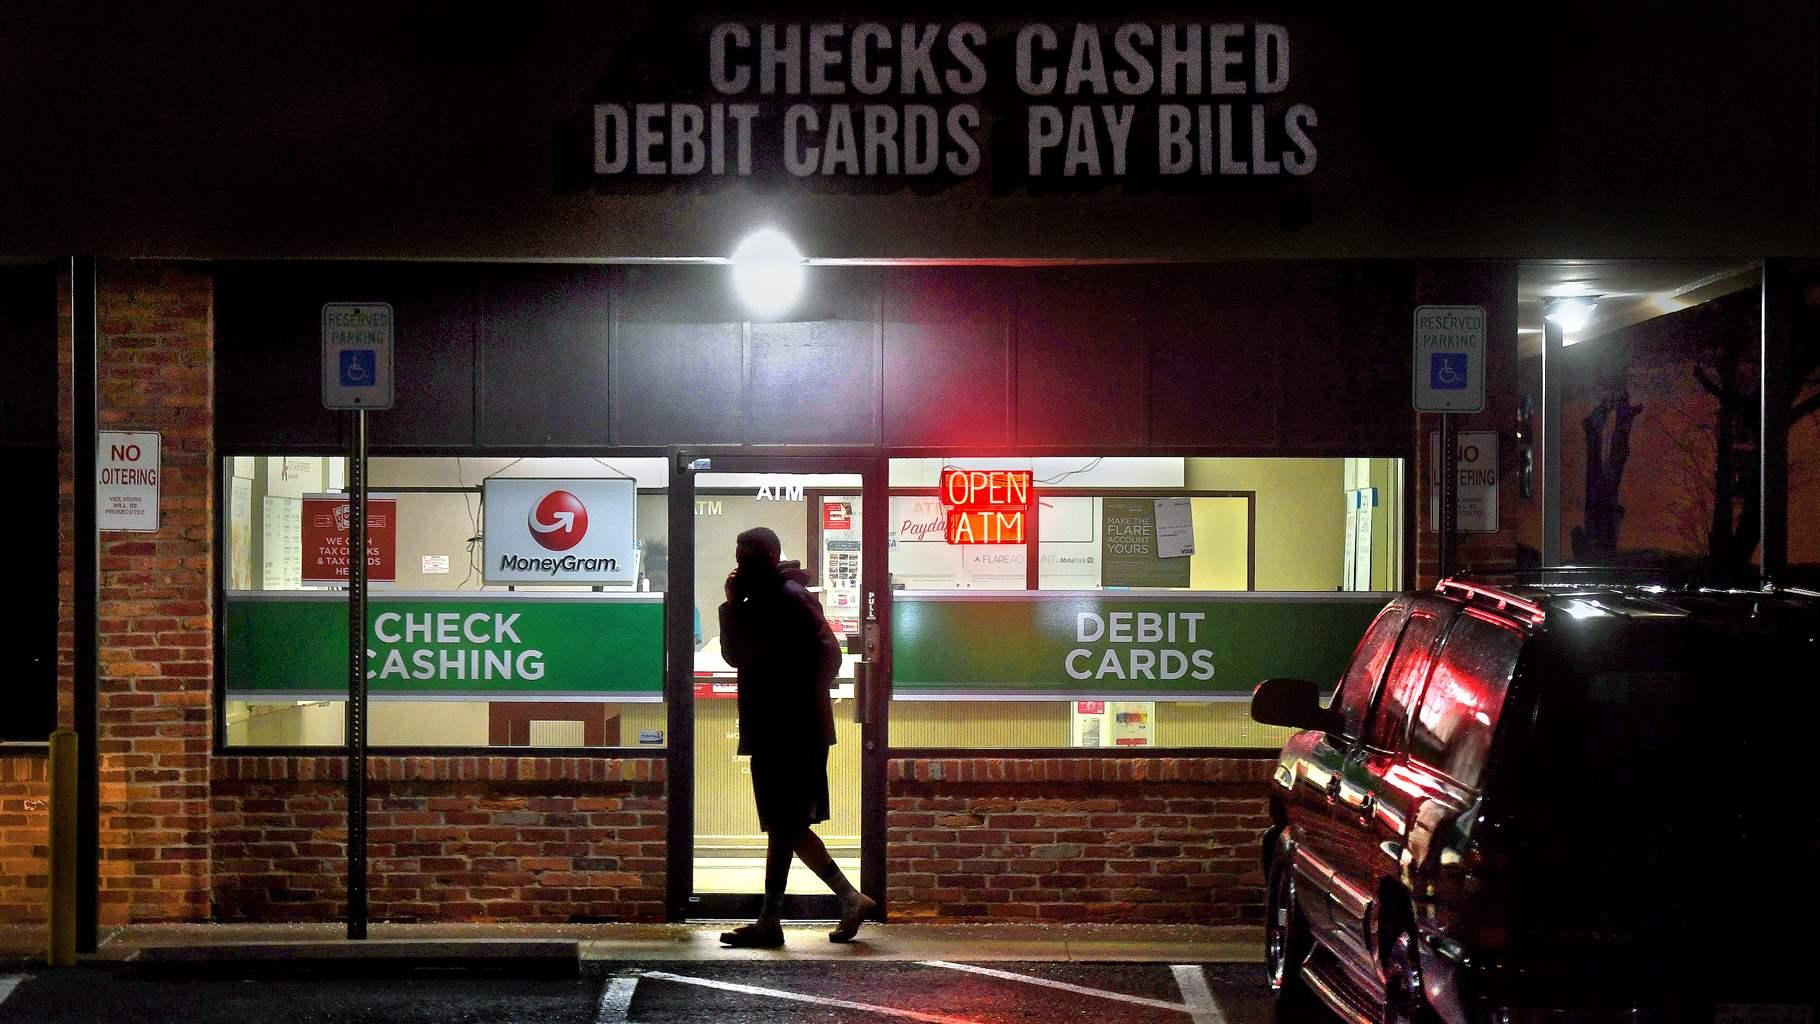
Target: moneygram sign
560	531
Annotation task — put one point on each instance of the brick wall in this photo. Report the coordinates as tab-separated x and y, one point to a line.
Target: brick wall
24	840
1096	839
450	839
156	330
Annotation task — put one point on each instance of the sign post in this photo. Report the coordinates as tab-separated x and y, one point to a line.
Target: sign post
1448	376
357	376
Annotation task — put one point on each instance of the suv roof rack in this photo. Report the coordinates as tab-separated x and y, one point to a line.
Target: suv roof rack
1481	594
1676	575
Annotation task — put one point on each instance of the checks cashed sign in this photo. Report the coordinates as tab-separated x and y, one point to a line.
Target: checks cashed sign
560	531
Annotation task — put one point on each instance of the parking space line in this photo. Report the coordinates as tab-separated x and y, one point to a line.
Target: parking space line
8	982
989	972
1201	1005
616	1001
777	993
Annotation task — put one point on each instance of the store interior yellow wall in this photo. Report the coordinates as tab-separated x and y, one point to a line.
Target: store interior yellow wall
1301	515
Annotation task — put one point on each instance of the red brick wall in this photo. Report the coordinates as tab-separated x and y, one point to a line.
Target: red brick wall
156	326
24	839
1095	839
450	839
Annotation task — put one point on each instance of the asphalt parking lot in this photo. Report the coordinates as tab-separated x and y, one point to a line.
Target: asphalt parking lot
933	992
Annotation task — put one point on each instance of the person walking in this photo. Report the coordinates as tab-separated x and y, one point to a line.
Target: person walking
773	632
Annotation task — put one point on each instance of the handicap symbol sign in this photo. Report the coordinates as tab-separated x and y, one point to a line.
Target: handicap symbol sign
1447	371
359	367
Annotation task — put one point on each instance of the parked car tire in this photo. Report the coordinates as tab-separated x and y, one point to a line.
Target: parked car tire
1287	937
1405	1001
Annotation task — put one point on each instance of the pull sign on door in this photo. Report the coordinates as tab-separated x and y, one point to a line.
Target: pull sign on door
357	355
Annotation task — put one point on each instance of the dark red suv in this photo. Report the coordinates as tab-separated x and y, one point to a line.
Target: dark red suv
1555	801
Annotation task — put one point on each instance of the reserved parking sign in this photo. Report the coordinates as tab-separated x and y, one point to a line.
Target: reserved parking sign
1449	365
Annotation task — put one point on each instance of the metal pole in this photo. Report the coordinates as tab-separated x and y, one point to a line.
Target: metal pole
1450	497
60	942
679	687
86	595
357	681
1552	370
1775	399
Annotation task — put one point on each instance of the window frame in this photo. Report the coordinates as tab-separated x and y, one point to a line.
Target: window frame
223	461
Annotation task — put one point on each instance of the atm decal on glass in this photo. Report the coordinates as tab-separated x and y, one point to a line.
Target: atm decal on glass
986	506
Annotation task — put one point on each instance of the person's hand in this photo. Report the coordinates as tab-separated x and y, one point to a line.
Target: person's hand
732	585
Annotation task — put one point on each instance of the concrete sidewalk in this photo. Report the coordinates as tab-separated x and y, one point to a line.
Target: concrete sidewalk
501	945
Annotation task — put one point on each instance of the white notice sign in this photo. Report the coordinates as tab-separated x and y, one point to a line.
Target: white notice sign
1478	489
1174	528
436	565
126	497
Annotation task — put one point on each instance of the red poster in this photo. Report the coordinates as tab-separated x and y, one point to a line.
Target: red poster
837	515
325	539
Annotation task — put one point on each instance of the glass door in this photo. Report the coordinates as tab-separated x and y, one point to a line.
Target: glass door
818	507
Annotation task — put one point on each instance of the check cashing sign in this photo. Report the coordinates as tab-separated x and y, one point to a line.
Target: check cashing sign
1118	645
570	646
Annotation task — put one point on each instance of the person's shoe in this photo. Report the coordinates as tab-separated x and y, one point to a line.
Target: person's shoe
757	935
852	913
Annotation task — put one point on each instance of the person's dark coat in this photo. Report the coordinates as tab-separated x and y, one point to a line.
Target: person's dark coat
775	635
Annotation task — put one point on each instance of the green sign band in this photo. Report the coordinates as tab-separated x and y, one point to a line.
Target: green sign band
1118	645
572	646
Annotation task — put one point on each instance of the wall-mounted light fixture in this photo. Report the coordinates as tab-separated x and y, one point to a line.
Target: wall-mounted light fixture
1572	314
767	272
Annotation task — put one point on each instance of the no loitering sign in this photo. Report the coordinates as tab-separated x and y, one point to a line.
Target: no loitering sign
126	492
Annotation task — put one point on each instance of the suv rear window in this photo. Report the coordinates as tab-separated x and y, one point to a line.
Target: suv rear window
1367	667
1459	712
1407	670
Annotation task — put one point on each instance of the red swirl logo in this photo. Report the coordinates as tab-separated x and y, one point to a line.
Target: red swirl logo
559	521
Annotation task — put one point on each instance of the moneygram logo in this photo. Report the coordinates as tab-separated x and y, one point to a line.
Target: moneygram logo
559	521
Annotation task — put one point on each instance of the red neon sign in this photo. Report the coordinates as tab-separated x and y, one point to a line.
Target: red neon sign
997	489
985	526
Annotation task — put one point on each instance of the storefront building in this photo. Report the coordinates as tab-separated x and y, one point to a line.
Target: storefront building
1177	367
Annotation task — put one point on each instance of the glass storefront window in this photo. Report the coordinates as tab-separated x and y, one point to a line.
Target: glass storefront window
455	662
1164	590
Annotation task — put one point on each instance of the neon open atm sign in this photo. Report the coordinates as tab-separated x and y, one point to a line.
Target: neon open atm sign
986	506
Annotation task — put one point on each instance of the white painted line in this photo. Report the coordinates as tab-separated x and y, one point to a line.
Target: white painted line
8	982
1201	1005
616	1001
774	993
1161	1004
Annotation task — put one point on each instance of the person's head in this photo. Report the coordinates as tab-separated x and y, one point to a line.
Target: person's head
758	549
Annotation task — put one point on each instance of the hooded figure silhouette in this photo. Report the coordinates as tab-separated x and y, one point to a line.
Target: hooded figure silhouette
773	632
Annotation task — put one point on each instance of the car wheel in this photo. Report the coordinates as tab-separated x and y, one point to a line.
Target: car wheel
1405	1000
1287	938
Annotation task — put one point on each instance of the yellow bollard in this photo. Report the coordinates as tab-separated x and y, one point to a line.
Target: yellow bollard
60	947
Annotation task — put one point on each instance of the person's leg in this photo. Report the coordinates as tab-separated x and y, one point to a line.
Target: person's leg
778	848
854	905
768	931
